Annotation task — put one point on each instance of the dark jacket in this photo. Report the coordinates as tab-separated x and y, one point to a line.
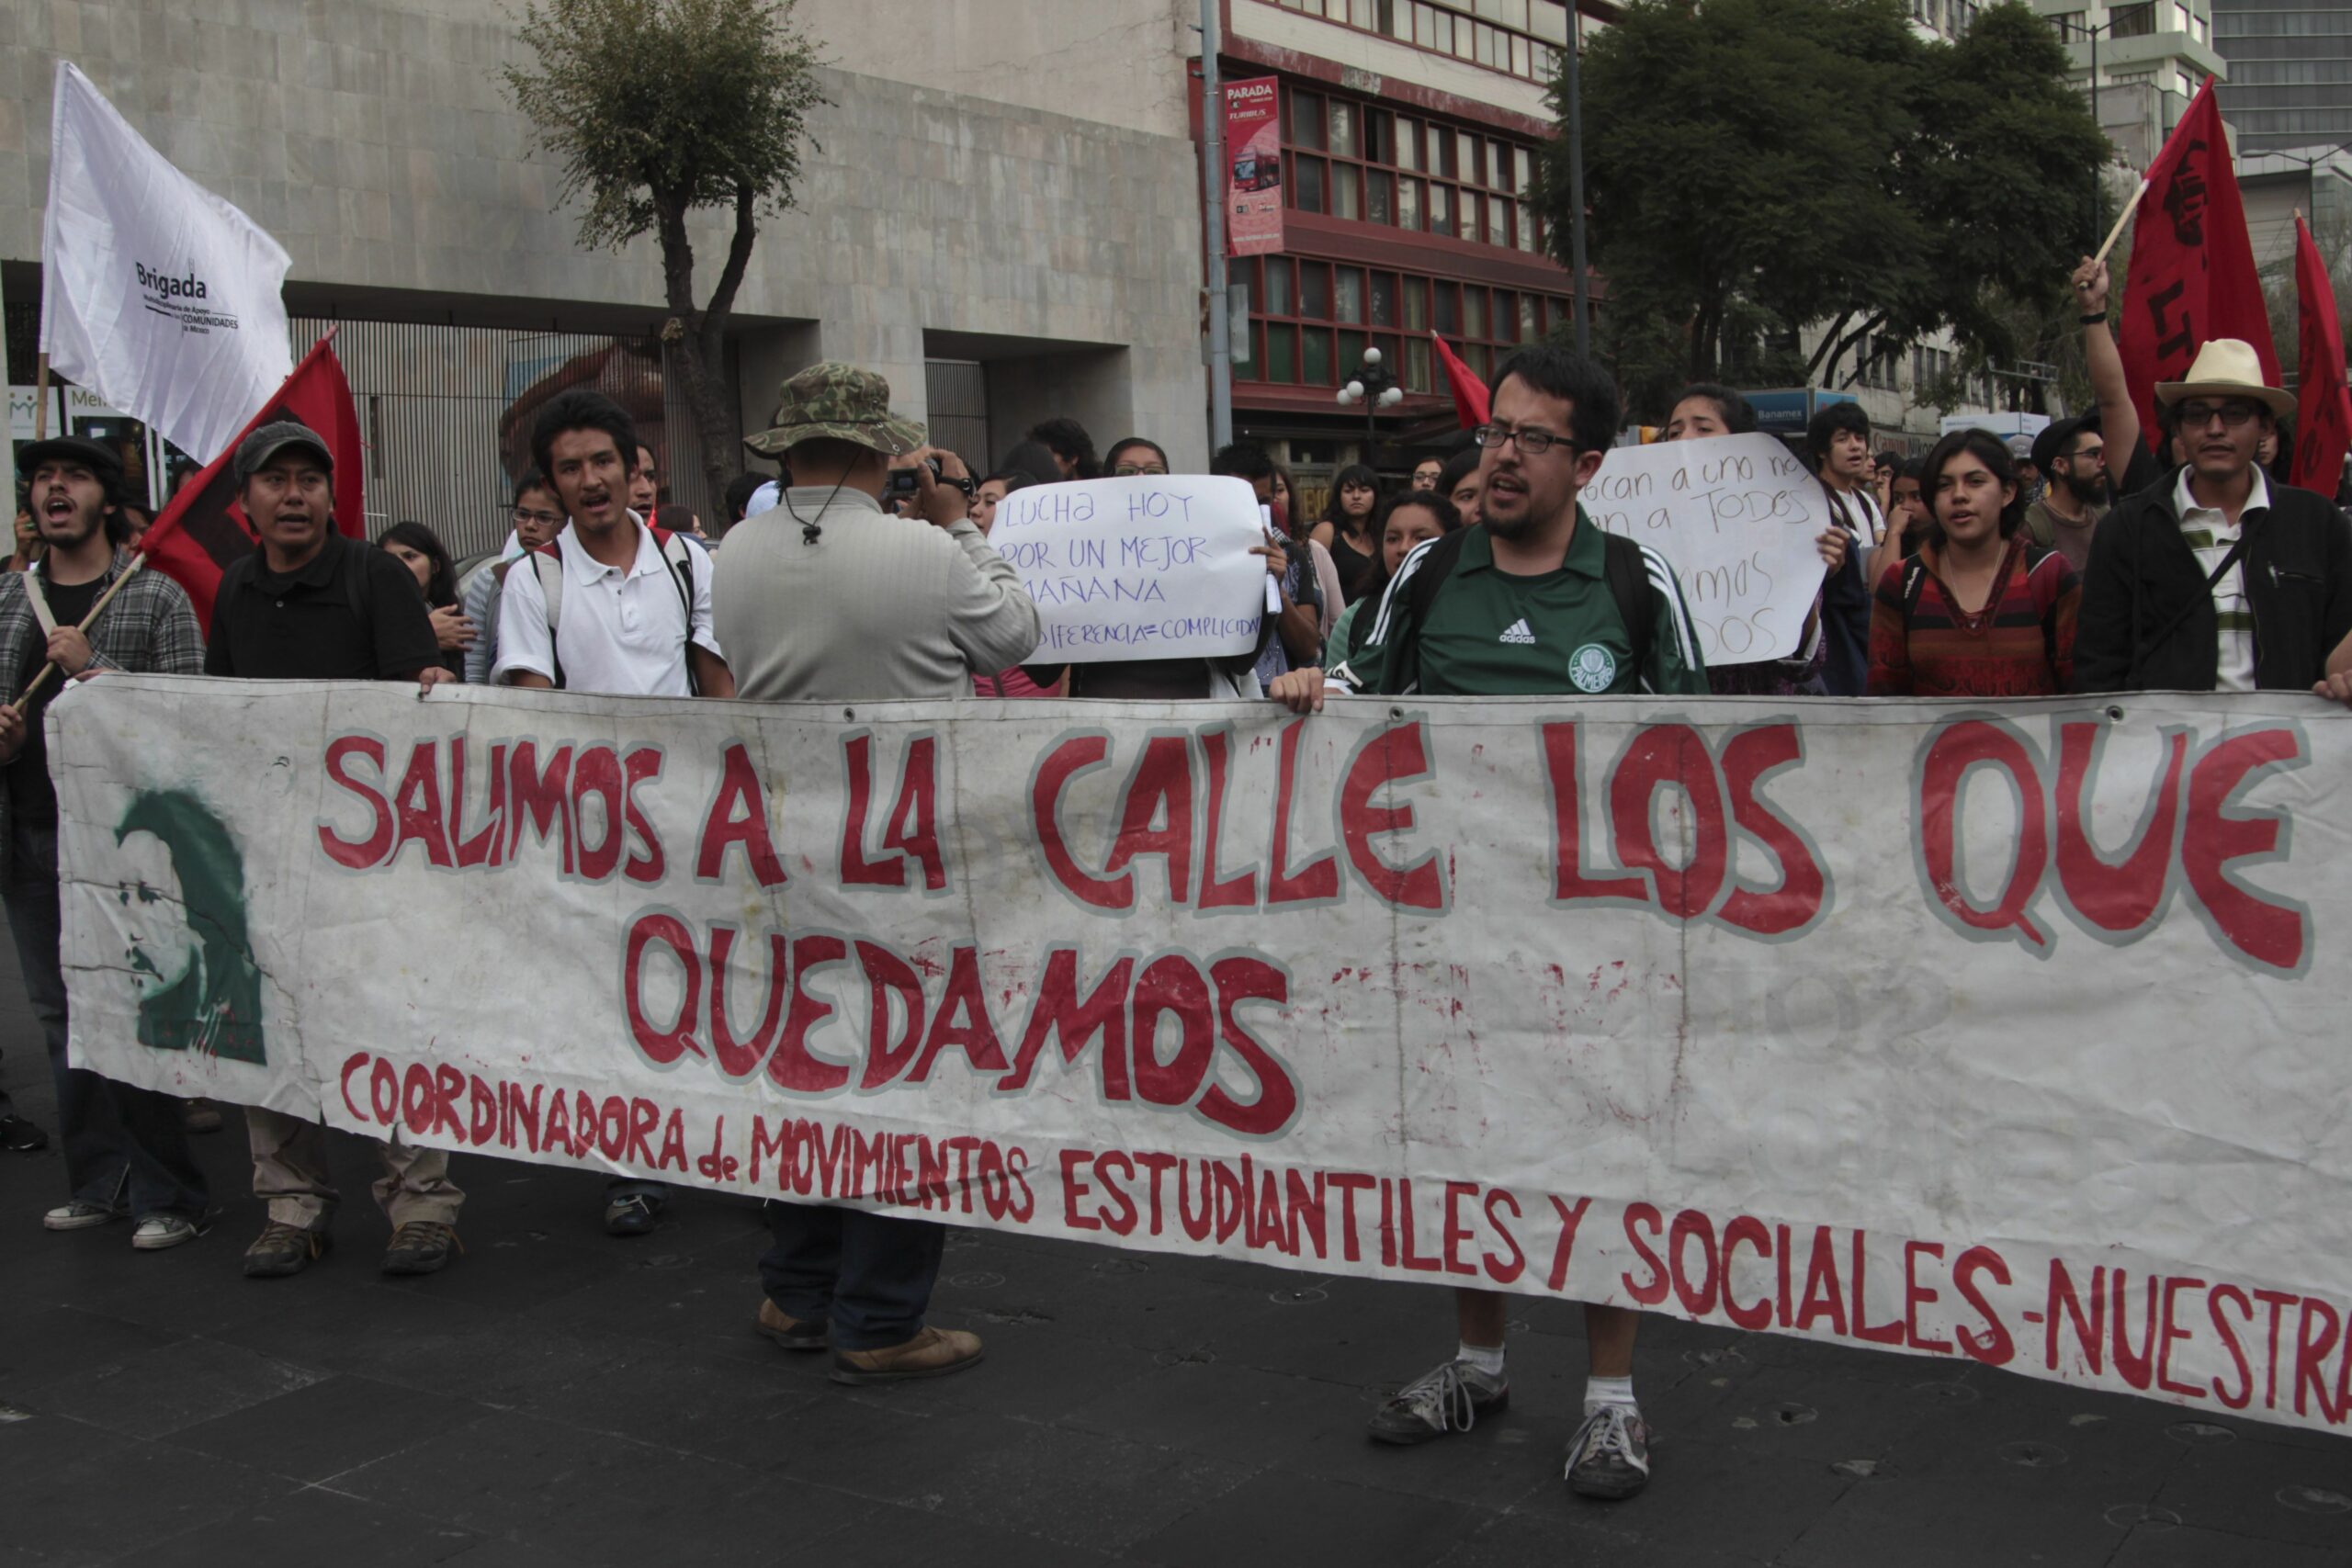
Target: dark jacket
2143	577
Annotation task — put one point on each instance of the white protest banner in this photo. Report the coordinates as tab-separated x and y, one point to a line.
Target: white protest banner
1735	516
2001	1033
156	295
1151	567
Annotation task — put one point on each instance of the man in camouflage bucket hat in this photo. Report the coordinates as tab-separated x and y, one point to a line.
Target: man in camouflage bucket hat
829	597
833	401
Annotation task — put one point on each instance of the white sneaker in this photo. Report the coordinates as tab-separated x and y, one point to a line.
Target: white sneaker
1448	1399
81	1215
157	1232
1610	1455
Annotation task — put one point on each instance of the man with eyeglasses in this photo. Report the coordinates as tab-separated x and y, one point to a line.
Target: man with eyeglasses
538	518
1134	458
2218	581
1534	600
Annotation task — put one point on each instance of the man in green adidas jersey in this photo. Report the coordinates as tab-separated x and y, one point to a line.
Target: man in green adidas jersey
1534	600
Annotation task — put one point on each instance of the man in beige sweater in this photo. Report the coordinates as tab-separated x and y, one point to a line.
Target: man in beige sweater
828	597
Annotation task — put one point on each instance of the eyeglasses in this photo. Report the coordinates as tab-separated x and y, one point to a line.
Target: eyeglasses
2233	416
1132	470
549	519
1532	443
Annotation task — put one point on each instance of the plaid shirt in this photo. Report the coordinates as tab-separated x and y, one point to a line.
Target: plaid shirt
150	629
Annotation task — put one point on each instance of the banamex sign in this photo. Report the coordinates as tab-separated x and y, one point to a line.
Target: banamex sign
1895	1024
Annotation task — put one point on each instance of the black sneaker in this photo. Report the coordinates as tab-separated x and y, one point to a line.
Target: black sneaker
1610	1455
1450	1399
421	1246
20	1137
634	1215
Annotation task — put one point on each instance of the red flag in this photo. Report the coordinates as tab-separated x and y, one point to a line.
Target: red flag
2323	419
1470	404
2192	276
203	528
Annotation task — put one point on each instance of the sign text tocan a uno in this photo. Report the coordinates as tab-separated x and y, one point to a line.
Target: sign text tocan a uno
1897	1024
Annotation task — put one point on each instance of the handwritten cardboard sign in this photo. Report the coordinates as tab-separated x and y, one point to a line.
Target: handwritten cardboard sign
1736	516
1153	567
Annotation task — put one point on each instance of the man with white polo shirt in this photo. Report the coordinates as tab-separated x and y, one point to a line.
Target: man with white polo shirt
612	605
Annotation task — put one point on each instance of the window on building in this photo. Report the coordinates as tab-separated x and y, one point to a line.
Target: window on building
1362	162
2131	21
1308	178
1323	349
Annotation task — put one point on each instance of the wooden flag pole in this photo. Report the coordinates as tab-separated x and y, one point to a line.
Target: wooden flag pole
2116	233
41	675
40	396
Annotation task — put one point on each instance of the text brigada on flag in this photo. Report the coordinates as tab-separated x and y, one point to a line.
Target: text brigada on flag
156	295
2192	278
2323	412
203	528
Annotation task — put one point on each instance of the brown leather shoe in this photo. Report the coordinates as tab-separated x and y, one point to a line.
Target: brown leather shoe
933	1353
792	1333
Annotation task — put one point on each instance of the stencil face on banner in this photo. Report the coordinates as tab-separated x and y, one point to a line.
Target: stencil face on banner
1735	516
1152	567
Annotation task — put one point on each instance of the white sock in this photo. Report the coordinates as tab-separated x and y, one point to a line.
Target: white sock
1599	1392
1488	1360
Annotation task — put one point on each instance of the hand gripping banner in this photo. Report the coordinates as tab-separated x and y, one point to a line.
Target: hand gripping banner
1996	1032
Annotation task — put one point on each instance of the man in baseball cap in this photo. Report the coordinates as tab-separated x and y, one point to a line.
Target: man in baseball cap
2030	473
265	445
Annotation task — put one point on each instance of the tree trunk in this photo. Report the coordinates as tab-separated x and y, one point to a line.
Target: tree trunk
1824	354
697	338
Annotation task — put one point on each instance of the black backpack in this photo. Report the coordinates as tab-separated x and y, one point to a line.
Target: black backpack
1623	568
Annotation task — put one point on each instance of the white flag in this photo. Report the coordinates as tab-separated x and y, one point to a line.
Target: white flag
156	295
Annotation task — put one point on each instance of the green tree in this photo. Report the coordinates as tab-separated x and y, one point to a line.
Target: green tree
657	108
1754	167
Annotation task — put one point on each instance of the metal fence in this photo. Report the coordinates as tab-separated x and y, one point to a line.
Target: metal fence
446	414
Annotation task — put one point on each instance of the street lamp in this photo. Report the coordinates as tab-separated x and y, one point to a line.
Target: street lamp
1375	388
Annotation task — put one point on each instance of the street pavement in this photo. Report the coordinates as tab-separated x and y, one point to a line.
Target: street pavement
559	1397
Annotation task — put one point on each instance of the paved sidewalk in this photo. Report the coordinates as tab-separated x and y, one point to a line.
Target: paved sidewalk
558	1397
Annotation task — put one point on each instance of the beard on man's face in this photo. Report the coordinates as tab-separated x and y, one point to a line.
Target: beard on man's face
2086	485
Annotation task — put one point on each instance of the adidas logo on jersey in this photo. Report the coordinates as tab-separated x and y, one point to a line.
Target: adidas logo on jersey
1518	634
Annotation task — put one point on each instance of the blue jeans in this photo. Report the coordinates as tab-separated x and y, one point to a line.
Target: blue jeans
870	1274
124	1145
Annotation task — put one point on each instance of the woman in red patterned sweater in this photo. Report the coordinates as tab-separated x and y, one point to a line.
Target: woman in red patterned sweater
1981	611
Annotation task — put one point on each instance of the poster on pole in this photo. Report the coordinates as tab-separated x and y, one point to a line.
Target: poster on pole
1156	566
1556	997
1253	155
1735	516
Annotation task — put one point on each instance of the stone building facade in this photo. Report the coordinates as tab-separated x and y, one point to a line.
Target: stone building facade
1000	204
